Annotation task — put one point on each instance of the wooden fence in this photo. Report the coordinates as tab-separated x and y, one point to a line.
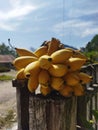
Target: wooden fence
74	107
89	102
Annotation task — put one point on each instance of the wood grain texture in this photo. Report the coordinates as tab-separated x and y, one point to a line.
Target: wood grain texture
52	114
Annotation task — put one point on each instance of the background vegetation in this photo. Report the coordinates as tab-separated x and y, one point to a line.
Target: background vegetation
4	50
90	50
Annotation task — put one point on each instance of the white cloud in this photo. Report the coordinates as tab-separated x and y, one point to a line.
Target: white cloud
9	27
90	31
20	11
15	3
80	8
81	12
75	28
16	12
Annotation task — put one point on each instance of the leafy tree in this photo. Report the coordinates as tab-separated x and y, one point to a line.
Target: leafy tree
91	49
90	124
93	44
7	50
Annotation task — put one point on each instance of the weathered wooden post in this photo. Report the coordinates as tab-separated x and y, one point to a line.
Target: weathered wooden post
52	113
22	96
36	112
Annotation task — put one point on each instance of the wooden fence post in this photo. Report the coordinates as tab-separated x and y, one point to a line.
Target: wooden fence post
81	111
22	97
36	112
52	113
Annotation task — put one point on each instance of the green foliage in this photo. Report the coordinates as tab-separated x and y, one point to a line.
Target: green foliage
8	119
92	55
5	77
91	49
89	124
95	40
95	113
93	44
7	50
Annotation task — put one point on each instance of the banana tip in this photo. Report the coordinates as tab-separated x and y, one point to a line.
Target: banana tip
27	75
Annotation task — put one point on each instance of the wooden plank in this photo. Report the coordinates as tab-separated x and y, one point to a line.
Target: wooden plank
81	111
52	114
22	95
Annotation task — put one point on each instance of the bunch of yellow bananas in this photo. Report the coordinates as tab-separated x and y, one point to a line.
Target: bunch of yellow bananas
52	67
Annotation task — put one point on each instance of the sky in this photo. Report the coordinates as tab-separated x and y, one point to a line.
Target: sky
28	23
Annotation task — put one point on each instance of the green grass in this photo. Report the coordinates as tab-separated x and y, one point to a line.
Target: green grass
8	119
5	77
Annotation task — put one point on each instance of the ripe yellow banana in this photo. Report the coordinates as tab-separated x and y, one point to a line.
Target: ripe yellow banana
23	61
20	74
44	77
71	79
60	56
24	52
78	90
41	51
66	91
56	83
32	69
52	67
33	83
79	54
45	90
58	70
68	48
84	78
74	64
53	46
45	62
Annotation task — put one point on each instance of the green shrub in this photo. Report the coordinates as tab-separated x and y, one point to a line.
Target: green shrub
5	77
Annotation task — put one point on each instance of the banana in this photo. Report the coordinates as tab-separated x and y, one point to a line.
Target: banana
53	46
84	78
41	51
33	83
24	52
61	46
58	70
60	56
74	64
79	54
78	90
20	74
32	69
52	67
45	90
45	62
23	61
71	79
56	83
66	91
68	48
44	77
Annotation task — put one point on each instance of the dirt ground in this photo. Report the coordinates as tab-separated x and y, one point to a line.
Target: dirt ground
7	95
